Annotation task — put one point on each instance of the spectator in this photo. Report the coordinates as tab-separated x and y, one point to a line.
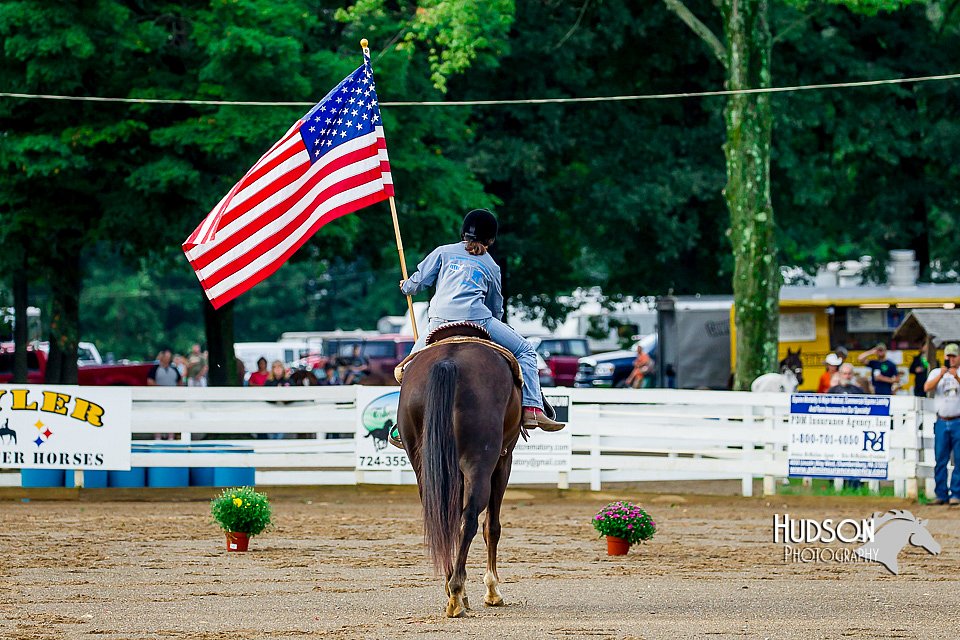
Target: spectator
278	378
164	374
357	366
180	362
829	377
259	377
642	365
330	375
278	375
196	367
884	374
945	384
845	382
920	367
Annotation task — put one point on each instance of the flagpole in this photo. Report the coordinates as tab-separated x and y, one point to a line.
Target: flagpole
396	230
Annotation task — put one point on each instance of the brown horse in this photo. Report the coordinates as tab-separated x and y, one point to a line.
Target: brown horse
459	419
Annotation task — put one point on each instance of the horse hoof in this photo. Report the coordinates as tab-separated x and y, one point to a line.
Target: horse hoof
494	602
466	604
455	611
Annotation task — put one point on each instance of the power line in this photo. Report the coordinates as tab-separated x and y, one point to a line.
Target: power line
469	103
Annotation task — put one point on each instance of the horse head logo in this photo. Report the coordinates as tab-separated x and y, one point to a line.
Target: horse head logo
892	531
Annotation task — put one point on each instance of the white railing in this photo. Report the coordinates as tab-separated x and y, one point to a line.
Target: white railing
618	435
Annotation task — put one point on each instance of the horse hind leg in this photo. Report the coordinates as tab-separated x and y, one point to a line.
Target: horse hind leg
477	493
491	532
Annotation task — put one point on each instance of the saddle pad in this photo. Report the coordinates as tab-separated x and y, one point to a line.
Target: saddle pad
460	328
507	355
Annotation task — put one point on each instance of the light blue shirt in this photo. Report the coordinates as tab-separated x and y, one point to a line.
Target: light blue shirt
468	286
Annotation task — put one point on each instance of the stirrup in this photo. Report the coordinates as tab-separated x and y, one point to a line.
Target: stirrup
395	441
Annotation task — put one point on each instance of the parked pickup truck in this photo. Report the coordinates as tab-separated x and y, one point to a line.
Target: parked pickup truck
104	375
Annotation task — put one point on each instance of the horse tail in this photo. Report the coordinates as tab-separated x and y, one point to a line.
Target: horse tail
442	480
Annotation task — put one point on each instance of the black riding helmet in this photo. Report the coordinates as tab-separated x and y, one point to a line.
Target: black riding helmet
479	225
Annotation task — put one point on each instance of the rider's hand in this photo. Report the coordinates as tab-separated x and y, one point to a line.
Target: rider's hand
401	285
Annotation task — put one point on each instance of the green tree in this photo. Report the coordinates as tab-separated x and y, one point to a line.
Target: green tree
745	53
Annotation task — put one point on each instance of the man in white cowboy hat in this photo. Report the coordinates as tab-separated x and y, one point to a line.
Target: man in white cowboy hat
945	382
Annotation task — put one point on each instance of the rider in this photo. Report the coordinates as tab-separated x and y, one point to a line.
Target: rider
468	288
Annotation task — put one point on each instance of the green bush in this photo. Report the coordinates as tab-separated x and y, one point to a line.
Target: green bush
625	520
242	510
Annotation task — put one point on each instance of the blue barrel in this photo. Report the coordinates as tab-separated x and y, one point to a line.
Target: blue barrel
168	476
43	478
136	477
234	476
201	476
95	479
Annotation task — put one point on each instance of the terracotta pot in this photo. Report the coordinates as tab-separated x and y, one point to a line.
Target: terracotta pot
617	546
237	541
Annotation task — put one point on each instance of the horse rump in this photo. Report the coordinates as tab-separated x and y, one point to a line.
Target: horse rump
442	494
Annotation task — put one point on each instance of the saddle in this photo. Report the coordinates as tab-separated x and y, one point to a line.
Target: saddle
461	333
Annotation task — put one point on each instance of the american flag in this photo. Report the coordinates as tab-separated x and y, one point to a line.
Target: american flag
332	162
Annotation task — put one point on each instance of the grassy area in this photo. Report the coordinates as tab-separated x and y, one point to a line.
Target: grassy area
824	487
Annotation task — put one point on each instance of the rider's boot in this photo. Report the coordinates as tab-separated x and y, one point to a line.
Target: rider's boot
534	417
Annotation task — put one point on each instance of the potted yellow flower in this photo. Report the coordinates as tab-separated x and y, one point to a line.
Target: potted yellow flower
241	512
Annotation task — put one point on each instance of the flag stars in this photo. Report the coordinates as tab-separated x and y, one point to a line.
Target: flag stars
312	129
343	134
375	118
354	113
359	126
316	153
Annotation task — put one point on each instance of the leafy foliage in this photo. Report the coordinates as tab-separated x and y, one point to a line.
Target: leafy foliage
621	195
241	510
625	520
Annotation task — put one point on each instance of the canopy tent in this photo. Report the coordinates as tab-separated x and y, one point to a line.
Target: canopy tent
941	325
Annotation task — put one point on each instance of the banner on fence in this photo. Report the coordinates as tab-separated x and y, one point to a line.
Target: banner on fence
839	436
64	427
377	416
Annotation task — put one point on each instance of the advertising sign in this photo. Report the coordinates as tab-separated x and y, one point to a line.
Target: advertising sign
839	436
377	416
64	427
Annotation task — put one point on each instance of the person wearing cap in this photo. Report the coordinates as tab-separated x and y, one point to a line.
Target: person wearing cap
883	372
468	287
829	377
945	384
920	368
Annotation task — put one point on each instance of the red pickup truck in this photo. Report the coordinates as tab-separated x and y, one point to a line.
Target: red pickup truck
104	375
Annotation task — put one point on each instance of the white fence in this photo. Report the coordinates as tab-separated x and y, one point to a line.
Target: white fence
618	435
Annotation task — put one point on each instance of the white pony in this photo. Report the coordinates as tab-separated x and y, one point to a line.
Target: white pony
787	381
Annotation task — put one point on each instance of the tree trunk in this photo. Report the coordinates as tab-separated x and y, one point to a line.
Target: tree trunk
20	327
65	285
220	356
756	280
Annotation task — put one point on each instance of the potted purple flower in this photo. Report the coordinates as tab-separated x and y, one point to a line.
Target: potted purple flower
625	524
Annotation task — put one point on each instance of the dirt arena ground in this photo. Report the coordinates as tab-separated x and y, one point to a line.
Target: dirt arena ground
349	563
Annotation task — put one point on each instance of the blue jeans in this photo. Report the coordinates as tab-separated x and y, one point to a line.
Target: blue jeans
946	440
506	337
